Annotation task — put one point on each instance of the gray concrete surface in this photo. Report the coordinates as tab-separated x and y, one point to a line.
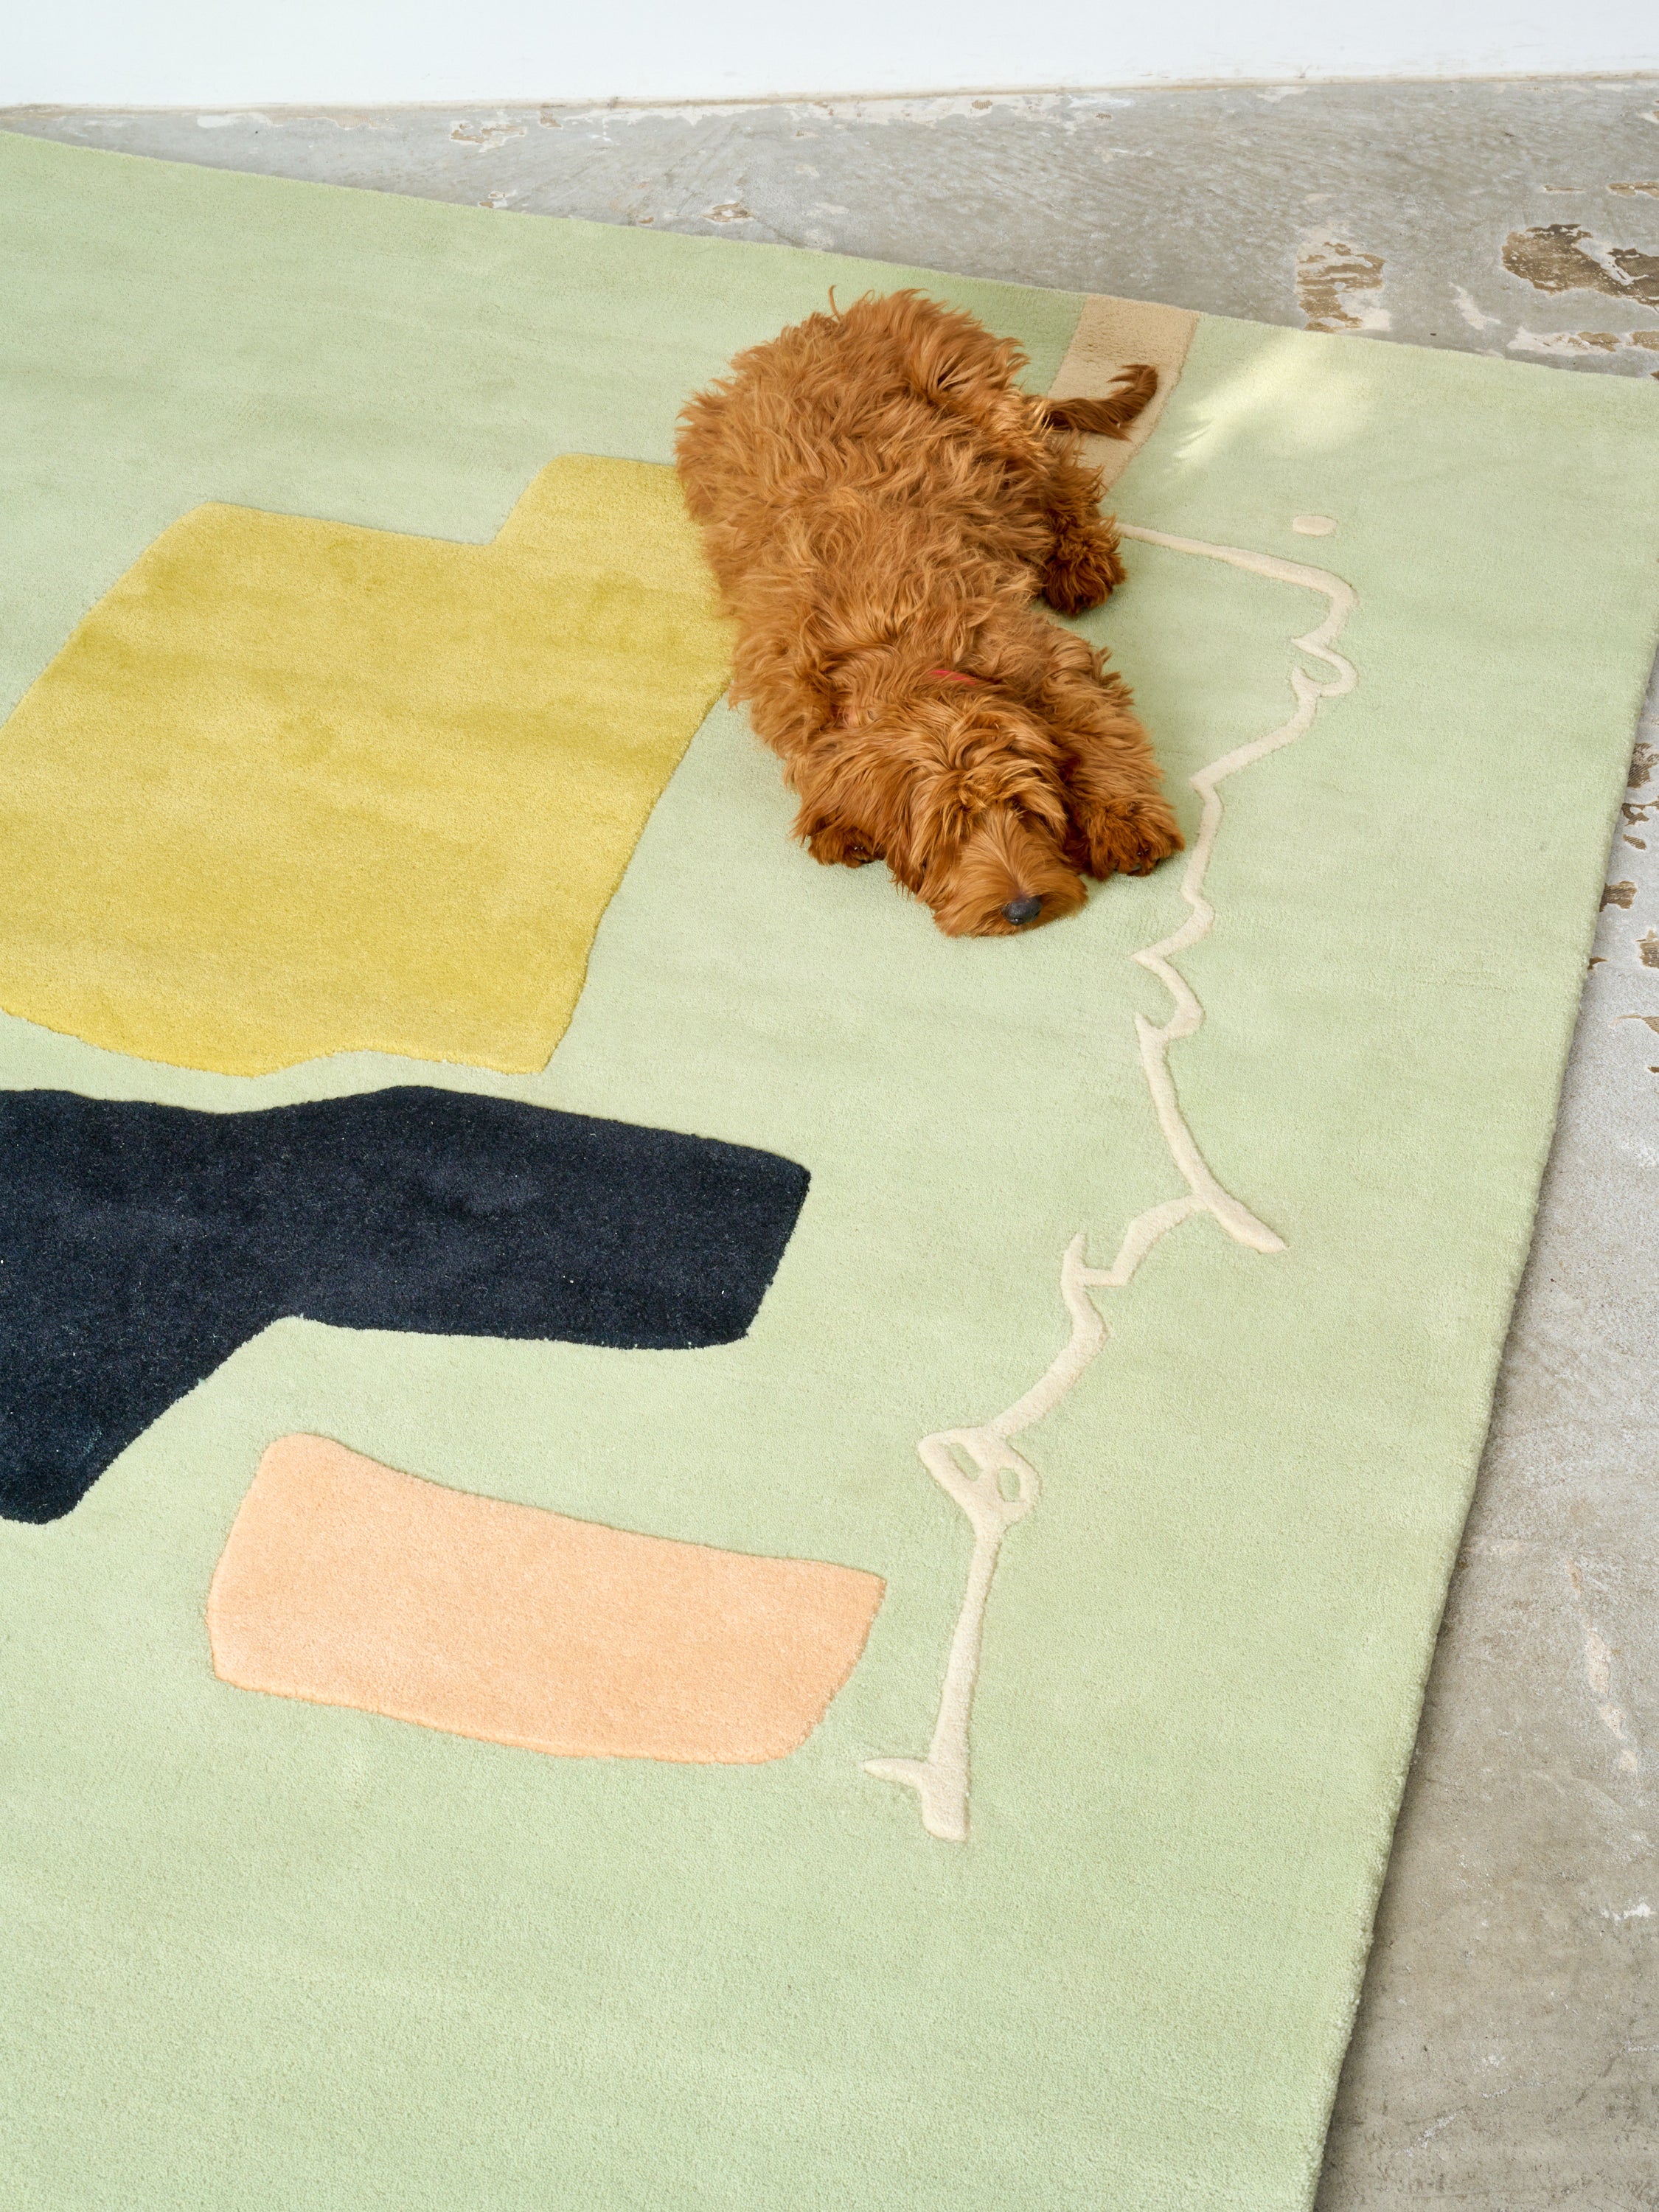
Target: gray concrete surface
1507	2051
1520	216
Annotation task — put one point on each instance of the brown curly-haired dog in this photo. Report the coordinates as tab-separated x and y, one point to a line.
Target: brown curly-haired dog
881	504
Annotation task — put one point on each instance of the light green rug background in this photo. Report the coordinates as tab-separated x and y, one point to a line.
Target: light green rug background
265	1956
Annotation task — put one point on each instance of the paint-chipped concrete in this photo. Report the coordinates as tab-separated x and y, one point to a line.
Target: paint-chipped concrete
1507	2053
1563	257
1520	216
1328	275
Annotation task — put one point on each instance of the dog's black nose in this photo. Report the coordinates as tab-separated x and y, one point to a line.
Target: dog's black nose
1019	911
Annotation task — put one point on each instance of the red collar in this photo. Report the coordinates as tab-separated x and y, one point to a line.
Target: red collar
944	675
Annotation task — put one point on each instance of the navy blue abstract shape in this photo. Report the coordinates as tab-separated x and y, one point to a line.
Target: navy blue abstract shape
141	1244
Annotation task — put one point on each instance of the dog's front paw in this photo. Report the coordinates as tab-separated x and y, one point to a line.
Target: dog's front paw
834	845
1128	838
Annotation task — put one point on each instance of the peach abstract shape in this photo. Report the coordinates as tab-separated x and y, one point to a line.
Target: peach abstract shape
345	1583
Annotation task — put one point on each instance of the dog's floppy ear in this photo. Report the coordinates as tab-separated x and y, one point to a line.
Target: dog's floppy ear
853	800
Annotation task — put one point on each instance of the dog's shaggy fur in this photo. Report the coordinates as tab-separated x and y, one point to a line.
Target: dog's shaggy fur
881	504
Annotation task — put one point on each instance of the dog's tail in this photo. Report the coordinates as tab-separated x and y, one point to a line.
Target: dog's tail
1104	418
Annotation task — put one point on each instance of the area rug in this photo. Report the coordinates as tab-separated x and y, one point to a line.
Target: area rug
669	1541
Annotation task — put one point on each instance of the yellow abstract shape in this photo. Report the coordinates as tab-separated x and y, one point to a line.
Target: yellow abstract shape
296	788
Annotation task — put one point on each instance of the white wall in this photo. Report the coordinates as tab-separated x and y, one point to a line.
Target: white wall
227	53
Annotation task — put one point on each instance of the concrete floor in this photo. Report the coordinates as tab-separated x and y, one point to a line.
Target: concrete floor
1507	2051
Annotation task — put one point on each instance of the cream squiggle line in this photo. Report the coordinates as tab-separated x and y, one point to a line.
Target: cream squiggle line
1002	1487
